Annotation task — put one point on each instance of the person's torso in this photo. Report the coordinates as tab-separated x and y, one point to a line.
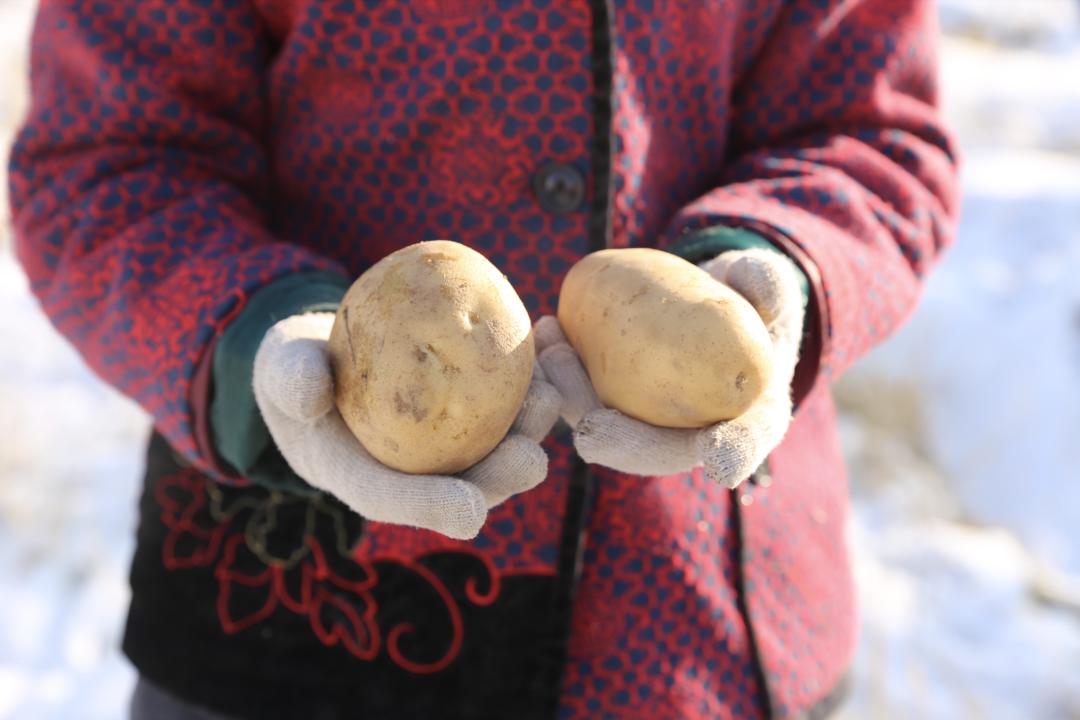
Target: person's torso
535	132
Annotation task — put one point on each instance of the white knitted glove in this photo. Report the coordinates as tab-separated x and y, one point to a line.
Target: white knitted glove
730	451
294	390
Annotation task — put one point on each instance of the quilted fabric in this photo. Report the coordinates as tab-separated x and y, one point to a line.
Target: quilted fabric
180	154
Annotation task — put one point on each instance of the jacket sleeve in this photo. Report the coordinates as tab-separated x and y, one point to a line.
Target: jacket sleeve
138	183
838	156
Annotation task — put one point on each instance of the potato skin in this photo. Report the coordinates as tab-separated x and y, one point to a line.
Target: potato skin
662	340
432	354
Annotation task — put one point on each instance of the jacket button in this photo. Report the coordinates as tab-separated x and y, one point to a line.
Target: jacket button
559	188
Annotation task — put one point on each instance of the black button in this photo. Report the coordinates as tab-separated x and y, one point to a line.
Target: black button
559	188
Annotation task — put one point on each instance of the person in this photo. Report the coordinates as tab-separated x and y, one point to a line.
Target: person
198	181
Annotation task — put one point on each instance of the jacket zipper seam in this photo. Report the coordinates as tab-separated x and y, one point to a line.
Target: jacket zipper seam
580	486
742	600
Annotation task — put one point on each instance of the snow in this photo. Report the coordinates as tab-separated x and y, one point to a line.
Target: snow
961	432
998	358
1012	22
68	488
994	352
959	620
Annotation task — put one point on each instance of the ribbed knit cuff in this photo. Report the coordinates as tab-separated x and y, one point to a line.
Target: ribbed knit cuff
697	247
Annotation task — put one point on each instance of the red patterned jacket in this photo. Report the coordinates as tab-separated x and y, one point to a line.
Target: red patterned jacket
181	154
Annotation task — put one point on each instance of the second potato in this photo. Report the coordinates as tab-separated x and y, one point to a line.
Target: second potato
662	340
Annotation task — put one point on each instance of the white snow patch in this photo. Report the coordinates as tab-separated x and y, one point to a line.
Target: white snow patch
1012	22
69	479
963	431
1019	97
954	623
995	351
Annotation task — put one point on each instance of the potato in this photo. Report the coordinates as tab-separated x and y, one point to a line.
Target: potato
662	340
432	354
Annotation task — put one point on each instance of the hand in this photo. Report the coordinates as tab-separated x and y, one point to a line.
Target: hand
731	450
294	390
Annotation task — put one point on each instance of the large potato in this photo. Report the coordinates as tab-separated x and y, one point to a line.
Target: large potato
432	352
662	340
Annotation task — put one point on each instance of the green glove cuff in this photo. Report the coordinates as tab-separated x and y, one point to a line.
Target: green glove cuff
697	247
236	425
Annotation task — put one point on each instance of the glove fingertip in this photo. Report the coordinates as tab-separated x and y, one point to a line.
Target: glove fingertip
540	411
530	462
592	434
768	280
730	481
567	374
547	332
292	366
468	523
718	266
516	465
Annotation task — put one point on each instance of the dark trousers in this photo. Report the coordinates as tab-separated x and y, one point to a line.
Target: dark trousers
149	702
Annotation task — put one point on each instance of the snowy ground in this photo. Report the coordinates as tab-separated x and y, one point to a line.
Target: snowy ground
962	433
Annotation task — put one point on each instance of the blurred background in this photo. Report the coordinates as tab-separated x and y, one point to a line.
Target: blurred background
962	432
